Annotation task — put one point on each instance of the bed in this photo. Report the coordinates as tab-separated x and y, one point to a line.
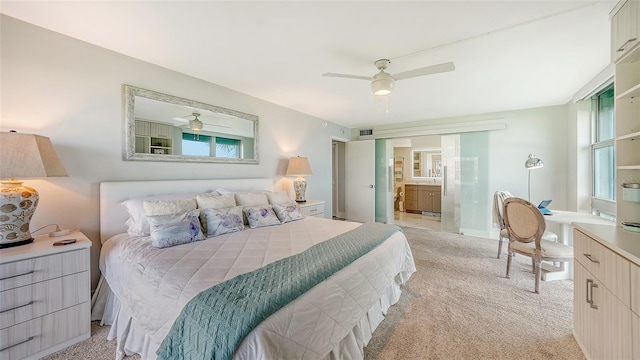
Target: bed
143	289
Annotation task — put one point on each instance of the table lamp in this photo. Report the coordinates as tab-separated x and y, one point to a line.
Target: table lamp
299	166
22	155
532	163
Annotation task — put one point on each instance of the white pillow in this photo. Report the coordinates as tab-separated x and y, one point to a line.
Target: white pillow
175	229
251	198
288	212
224	220
214	201
277	198
260	216
137	224
168	207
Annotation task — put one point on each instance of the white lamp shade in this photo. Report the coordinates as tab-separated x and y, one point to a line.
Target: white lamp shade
299	166
28	156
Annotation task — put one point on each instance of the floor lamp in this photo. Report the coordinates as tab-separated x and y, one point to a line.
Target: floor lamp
532	163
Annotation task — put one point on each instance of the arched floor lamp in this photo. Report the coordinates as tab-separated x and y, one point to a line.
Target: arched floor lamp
532	163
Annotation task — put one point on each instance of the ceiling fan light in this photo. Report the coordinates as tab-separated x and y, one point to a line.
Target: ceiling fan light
382	86
195	125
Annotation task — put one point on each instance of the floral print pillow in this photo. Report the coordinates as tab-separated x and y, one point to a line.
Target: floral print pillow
175	229
224	220
259	216
288	212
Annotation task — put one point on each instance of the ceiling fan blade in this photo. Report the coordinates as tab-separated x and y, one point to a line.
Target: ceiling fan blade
433	69
368	78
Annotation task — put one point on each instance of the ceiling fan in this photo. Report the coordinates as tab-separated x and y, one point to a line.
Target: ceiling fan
196	124
382	82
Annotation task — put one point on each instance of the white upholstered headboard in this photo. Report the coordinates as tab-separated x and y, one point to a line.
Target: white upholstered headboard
113	215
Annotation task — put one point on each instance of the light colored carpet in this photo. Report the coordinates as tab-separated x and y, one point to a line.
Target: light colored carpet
458	305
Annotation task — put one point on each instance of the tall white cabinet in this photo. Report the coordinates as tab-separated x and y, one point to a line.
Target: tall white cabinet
625	53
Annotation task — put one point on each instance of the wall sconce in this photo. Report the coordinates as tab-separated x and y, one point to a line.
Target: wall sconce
22	155
299	166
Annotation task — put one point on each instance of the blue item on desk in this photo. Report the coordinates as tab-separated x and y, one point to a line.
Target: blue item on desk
543	207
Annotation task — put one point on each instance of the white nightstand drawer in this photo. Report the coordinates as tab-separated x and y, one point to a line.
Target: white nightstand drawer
312	210
27	302
29	271
31	337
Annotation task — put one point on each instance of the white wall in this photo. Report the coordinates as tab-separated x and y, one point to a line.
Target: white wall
71	92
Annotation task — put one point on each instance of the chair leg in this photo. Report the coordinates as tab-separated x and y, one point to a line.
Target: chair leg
538	273
499	246
509	256
533	265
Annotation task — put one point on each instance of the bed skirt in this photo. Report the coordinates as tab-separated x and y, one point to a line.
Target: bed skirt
131	339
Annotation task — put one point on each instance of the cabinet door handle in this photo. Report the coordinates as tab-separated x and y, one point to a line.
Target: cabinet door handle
17	307
589	282
12	276
593	285
14	345
589	256
621	48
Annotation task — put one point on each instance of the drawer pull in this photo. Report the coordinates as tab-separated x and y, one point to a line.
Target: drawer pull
17	307
621	48
588	256
12	276
14	345
313	210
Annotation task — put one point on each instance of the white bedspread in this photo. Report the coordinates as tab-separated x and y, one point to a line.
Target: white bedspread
154	284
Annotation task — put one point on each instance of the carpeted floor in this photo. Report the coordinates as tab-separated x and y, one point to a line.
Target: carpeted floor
458	305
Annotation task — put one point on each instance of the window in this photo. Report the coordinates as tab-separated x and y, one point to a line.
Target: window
197	145
227	148
603	153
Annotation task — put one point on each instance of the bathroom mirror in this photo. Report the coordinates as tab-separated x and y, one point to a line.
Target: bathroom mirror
426	163
161	127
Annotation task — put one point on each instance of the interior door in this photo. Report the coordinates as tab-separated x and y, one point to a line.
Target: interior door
360	174
450	215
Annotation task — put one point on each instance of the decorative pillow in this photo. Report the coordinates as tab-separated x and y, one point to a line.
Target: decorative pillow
260	216
167	207
222	221
279	197
137	224
288	212
172	230
214	201
249	198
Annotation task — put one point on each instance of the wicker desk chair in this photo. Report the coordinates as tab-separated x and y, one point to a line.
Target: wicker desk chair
498	206
525	225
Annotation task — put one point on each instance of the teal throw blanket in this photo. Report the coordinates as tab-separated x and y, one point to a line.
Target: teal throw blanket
214	322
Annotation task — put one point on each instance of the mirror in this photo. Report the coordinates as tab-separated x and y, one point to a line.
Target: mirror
426	163
160	127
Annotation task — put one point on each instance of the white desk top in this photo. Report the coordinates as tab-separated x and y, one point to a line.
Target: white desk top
568	217
624	242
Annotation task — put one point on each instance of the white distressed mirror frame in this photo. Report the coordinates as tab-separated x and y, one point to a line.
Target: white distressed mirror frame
130	92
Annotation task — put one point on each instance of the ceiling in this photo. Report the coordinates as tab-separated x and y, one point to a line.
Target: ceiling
508	54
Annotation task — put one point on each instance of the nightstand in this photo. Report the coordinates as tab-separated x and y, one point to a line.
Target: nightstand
312	208
45	293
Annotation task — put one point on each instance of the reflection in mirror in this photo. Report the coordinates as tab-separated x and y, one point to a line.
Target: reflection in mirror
160	127
426	163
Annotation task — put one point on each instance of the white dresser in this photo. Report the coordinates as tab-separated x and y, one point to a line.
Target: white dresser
45	295
312	208
607	291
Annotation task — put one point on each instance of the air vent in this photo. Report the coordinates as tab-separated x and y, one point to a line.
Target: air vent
366	132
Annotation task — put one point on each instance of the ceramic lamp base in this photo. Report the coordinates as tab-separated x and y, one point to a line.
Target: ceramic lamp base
300	187
17	205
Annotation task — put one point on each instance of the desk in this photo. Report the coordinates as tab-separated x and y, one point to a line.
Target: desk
565	219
